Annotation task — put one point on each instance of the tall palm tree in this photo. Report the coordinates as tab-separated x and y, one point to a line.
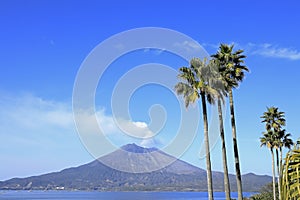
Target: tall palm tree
268	141
218	83
233	71
224	156
195	85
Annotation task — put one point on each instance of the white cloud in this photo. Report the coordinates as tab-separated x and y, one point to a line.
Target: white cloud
29	112
264	49
153	50
140	124
113	128
32	124
117	130
189	46
41	134
37	136
210	45
269	50
152	142
138	130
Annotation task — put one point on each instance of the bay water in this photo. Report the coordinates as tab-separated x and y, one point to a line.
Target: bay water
83	195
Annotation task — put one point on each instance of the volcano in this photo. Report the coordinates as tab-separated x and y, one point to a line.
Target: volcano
178	176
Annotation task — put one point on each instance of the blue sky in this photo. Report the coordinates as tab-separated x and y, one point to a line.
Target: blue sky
43	44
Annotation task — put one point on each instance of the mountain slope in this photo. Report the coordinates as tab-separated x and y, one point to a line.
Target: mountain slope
179	176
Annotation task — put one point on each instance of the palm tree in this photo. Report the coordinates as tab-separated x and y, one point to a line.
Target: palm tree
275	120
283	141
194	86
217	82
233	72
287	143
268	141
224	156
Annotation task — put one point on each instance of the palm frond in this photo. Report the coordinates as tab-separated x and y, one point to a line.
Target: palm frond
290	184
202	76
230	65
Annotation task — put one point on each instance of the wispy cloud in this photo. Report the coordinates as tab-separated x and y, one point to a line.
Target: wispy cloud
40	134
274	51
189	46
30	117
263	49
37	136
154	51
32	113
136	129
189	49
119	131
210	45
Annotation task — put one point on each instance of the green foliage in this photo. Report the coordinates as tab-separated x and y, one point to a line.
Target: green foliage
273	118
290	184
266	193
230	65
232	71
276	138
200	77
262	196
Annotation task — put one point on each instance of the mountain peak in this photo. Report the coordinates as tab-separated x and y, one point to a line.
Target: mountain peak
133	148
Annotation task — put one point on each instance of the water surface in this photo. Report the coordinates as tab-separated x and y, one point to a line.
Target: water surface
80	195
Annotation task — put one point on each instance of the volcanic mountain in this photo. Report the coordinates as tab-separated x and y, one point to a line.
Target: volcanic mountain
178	176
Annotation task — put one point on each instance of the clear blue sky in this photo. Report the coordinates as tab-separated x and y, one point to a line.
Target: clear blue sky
43	44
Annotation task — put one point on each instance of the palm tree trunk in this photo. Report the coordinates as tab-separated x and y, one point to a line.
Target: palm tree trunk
206	140
273	173
278	173
280	159
235	148
224	156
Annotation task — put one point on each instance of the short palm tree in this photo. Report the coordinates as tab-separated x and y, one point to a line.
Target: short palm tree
195	85
287	143
275	120
233	71
282	141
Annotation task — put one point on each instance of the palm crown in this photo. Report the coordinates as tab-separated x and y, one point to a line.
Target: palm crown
274	119
230	65
200	77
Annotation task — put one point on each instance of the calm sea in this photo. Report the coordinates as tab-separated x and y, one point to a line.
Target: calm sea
67	195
